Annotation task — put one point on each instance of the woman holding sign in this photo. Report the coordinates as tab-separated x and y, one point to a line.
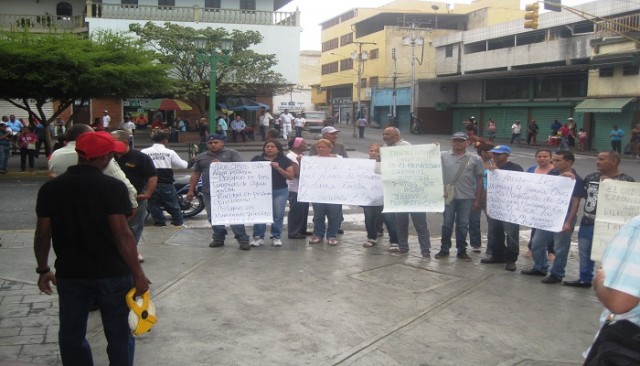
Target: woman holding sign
322	210
281	170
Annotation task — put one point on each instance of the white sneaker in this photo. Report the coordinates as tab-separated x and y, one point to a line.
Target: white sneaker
257	241
140	258
277	242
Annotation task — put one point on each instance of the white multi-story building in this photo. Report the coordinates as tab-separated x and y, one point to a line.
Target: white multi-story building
281	30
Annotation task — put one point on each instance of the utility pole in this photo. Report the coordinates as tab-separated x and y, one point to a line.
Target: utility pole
395	92
361	56
413	41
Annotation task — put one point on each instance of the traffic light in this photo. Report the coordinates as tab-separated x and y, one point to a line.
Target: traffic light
531	16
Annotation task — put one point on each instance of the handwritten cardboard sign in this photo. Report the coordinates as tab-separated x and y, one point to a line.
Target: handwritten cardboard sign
241	193
618	202
339	181
535	200
412	178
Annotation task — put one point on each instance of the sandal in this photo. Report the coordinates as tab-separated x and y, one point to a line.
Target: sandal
332	241
393	248
369	243
315	240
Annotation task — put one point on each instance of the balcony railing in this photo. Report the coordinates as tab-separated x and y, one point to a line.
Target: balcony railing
41	23
192	14
615	26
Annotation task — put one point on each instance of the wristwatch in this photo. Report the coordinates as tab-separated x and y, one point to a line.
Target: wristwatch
43	271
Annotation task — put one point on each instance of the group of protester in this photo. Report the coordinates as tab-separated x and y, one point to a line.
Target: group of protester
92	213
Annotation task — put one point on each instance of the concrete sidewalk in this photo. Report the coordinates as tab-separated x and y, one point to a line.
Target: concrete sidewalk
315	305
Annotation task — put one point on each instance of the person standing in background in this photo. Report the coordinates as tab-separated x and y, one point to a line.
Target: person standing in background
616	135
299	122
106	121
264	121
362	124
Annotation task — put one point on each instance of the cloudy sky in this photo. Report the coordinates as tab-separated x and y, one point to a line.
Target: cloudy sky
315	12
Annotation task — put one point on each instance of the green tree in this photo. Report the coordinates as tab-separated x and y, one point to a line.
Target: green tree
70	69
247	72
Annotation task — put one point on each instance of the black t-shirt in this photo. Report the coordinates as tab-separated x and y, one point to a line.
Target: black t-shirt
277	180
138	167
511	166
78	203
590	194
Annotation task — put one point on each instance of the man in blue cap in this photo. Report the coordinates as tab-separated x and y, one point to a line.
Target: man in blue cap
501	229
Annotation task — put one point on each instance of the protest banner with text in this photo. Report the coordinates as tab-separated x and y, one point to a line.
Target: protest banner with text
536	200
412	178
339	181
618	202
241	193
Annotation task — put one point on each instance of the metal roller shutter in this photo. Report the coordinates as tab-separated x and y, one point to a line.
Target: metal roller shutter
508	117
604	124
7	109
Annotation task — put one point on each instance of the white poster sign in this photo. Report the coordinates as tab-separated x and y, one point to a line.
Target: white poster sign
339	181
535	200
618	202
412	178
241	193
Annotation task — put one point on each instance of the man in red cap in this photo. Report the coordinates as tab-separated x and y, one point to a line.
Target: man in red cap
84	213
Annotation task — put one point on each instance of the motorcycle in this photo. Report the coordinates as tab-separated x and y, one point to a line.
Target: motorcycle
189	209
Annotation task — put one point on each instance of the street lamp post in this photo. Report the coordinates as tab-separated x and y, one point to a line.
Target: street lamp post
212	56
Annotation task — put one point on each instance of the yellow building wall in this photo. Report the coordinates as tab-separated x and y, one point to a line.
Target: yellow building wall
487	12
618	85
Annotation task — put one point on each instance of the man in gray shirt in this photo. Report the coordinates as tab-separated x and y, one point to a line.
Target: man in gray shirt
464	171
216	153
391	137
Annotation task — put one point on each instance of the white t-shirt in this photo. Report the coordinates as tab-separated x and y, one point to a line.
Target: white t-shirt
106	120
285	119
299	122
515	128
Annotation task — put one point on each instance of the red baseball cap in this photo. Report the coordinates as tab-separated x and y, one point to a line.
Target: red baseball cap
90	145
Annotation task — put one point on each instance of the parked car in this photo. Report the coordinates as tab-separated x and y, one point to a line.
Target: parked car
315	120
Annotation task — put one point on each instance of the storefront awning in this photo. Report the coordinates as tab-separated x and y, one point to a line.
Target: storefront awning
604	105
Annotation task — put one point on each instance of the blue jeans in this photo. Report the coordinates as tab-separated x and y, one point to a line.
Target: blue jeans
501	230
219	231
475	234
459	211
561	243
585	241
165	196
419	224
371	216
76	296
5	153
136	223
298	131
332	213
279	202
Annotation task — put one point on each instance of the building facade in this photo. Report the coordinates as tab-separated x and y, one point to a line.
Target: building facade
580	63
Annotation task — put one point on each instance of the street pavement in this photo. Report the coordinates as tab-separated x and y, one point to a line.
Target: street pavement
314	304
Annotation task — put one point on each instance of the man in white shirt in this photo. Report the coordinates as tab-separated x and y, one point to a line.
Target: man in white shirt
516	132
165	194
285	122
264	121
299	123
106	120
